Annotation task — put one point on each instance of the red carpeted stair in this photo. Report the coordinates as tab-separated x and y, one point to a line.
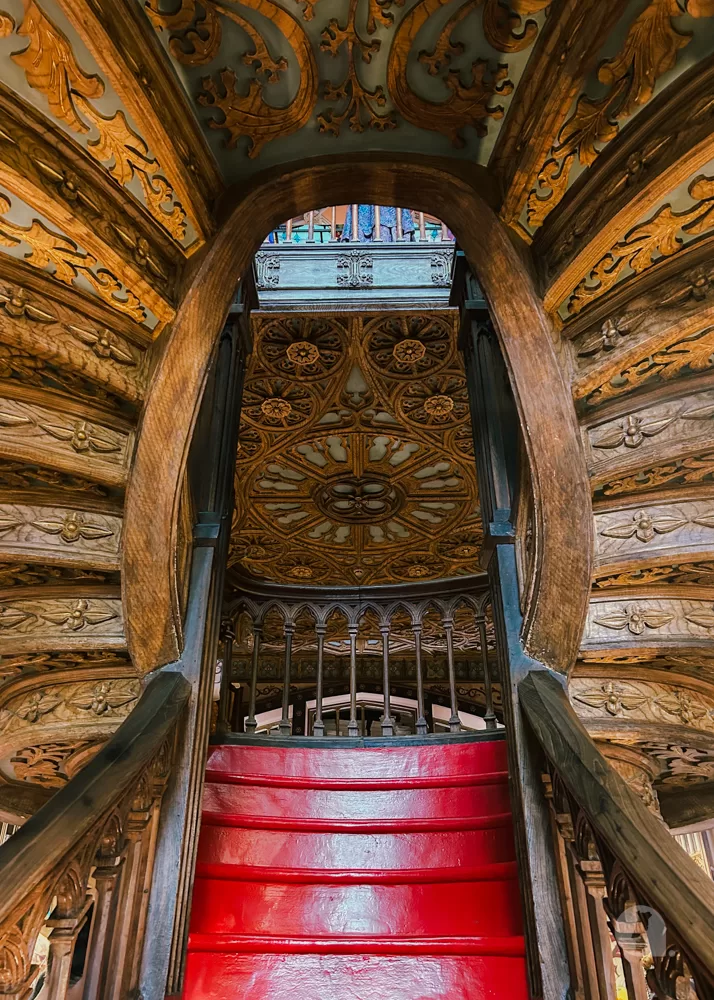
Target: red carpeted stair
356	874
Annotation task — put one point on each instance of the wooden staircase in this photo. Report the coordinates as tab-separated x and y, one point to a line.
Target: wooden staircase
353	873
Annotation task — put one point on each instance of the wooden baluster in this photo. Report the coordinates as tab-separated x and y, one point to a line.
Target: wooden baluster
352	727
594	881
66	927
362	720
318	728
337	722
632	941
454	721
355	224
400	232
387	720
289	231
251	724
224	704
421	726
333	224
285	727
311	227
444	233
377	224
490	715
238	712
422	227
106	881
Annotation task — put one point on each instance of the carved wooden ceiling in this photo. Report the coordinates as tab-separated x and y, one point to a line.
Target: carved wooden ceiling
355	457
121	125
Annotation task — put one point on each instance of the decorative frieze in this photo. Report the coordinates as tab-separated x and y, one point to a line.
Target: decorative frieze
354	269
29	624
641	701
35	710
38	434
648	621
663	431
653	530
59	534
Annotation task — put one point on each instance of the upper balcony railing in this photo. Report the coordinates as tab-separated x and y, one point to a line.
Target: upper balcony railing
356	256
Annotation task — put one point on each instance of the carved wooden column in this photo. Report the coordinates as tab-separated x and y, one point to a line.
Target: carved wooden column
251	724
596	889
224	705
454	721
285	726
352	726
421	724
318	728
65	931
106	880
489	715
387	721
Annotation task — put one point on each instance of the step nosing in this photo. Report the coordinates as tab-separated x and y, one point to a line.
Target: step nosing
472	780
513	946
356	826
497	871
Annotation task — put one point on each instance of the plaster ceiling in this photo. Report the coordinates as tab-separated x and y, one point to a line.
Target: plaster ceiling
355	460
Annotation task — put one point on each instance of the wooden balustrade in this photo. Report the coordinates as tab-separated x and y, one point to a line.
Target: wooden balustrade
637	909
82	865
411	617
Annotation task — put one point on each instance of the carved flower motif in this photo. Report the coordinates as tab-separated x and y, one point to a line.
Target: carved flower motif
302	352
35	706
81	437
17	304
73	527
632	431
439	406
13	617
78	617
645	527
409	352
612	697
106	344
103	698
683	706
635	620
608	339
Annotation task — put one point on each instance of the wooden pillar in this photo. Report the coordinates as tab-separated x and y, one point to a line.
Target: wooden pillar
387	721
65	930
594	881
257	636
355	223
352	727
285	726
106	879
454	721
377	224
318	728
224	704
489	715
421	724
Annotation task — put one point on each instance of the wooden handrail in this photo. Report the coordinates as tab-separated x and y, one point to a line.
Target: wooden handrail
42	844
664	877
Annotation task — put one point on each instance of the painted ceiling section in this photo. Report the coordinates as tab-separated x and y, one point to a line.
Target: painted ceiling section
276	80
355	459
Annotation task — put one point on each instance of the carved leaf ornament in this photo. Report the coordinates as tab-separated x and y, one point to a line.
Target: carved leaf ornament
645	527
635	620
353	101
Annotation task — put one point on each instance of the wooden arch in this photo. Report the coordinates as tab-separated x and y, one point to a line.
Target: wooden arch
457	193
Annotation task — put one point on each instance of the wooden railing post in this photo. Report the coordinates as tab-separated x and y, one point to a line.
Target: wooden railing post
106	879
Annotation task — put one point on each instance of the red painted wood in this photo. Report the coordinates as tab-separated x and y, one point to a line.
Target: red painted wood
357	874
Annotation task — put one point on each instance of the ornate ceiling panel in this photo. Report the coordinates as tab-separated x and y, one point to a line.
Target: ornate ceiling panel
275	80
355	461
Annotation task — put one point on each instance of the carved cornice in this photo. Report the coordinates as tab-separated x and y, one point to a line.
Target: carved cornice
58	178
53	332
120	38
61	440
665	431
79	620
571	39
59	535
670	139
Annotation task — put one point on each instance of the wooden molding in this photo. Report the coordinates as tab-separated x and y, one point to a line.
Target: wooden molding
562	497
571	40
666	143
121	39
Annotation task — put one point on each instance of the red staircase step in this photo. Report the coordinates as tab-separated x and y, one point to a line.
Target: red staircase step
357	873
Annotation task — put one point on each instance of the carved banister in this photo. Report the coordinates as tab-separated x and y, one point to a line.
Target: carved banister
103	822
643	871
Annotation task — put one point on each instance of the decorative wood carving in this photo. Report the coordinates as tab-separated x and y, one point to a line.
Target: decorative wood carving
650	49
33	623
69	94
641	701
50	484
697	574
105	662
677	472
661	235
668	140
53	764
76	195
683	765
572	38
637	769
69	443
655	531
59	535
650	621
351	468
662	431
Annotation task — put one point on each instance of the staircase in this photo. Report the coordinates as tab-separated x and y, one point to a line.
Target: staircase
354	873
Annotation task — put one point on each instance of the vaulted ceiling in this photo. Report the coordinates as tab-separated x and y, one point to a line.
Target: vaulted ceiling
121	126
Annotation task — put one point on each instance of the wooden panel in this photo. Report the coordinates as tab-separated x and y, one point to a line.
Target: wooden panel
73	619
642	532
59	535
673	617
562	497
